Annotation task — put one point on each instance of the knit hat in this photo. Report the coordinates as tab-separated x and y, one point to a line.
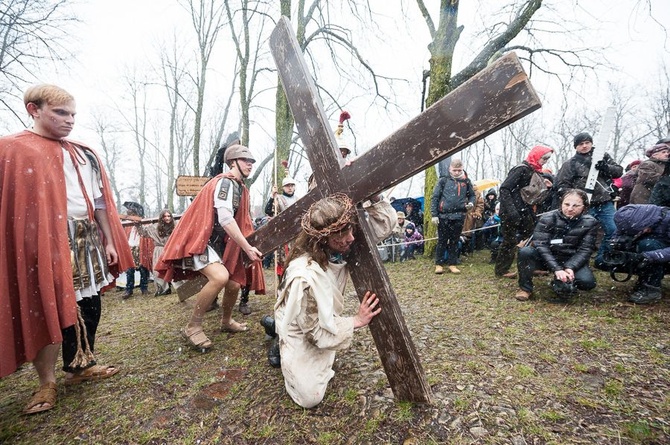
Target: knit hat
581	137
338	133
401	214
655	149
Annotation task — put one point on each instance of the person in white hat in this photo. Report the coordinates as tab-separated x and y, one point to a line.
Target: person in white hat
284	200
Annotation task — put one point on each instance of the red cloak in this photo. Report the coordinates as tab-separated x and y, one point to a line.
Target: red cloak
147	246
37	297
191	235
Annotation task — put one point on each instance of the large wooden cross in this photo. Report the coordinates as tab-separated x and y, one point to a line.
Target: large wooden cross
494	98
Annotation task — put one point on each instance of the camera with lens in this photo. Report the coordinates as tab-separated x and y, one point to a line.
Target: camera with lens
622	258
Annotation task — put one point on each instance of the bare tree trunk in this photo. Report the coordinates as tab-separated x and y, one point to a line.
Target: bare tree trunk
207	20
110	152
283	117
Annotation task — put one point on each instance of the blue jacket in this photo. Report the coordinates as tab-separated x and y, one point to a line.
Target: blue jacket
632	219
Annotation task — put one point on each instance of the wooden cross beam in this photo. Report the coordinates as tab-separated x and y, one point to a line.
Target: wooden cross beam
494	98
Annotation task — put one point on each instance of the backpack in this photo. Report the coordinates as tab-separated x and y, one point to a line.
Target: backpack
536	191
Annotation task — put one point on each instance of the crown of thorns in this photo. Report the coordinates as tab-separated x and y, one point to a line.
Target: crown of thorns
342	222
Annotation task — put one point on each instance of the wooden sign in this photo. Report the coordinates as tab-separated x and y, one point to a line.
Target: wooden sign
190	185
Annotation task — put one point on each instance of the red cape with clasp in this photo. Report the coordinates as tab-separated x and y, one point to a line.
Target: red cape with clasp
191	235
37	297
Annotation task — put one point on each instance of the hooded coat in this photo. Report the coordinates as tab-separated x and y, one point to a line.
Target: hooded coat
648	174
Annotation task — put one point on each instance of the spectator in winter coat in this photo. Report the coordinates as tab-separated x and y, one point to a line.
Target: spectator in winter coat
563	242
399	229
493	233
490	201
473	221
548	202
412	241
452	197
627	183
516	216
283	201
649	172
575	172
651	225
414	215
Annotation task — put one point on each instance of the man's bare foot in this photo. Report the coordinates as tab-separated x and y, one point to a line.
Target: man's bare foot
233	326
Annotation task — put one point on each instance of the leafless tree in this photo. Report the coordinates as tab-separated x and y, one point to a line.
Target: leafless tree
512	27
658	101
329	47
207	18
137	121
173	75
32	32
111	151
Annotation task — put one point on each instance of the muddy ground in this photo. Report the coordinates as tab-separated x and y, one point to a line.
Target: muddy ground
595	371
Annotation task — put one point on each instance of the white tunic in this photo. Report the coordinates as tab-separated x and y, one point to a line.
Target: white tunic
309	321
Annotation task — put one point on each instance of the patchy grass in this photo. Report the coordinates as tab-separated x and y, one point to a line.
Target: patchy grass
595	371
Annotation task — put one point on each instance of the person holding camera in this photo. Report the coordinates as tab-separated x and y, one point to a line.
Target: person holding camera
648	227
574	173
563	242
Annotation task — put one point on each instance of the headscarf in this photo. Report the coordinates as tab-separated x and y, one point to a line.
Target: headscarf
535	154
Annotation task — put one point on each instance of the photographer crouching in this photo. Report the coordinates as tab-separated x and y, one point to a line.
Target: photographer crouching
563	242
641	246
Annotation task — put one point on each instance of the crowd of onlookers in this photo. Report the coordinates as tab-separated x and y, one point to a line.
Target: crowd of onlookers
555	222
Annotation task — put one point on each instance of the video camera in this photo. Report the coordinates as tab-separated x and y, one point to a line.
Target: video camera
622	258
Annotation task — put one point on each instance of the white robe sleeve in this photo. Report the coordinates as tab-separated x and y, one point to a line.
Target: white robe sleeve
382	218
308	322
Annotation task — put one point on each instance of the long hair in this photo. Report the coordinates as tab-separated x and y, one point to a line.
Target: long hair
164	229
330	216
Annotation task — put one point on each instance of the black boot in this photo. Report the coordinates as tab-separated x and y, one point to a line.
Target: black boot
268	324
645	294
244	301
274	357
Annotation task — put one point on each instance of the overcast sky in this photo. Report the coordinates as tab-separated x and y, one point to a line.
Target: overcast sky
124	33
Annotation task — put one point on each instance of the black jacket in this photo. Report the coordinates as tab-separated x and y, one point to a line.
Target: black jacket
565	243
511	203
490	204
575	171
